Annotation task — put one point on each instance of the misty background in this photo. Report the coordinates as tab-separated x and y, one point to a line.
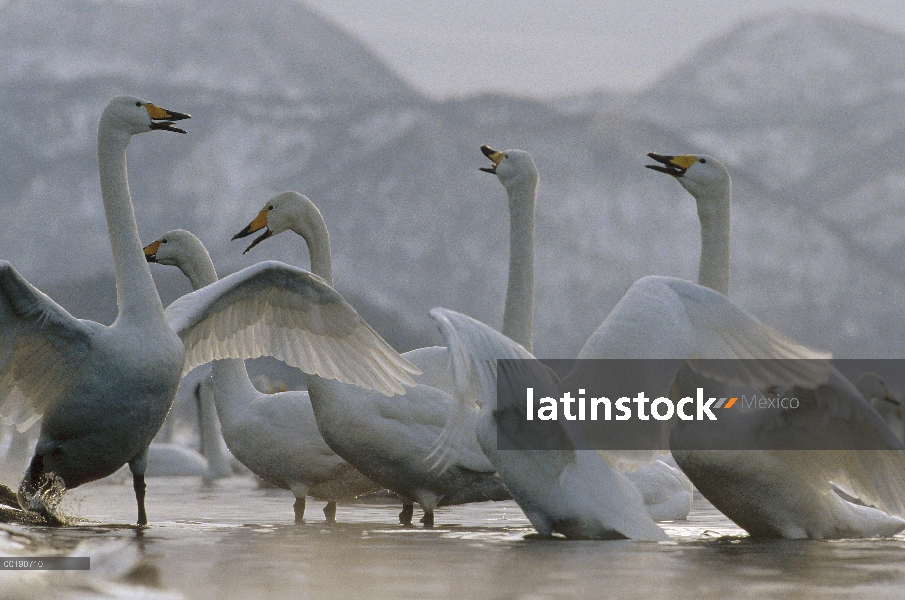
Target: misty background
806	109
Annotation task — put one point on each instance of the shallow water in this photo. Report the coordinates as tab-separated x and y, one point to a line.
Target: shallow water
235	540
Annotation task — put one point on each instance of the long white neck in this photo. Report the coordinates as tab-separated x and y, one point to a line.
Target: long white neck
713	211
317	237
518	315
211	438
136	295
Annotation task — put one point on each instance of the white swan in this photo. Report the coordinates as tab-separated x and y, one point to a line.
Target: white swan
574	493
391	441
873	389
789	493
666	491
104	391
274	435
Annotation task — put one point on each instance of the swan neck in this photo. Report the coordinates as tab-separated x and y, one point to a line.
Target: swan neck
518	315
199	269
317	239
135	290
233	390
209	425
713	269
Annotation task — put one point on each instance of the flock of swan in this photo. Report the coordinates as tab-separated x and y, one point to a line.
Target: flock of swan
423	424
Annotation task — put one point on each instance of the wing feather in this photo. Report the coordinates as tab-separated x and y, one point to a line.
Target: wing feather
41	348
274	309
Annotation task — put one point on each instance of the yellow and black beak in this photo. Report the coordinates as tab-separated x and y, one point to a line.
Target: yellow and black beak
258	223
163	119
494	155
888	397
672	165
151	251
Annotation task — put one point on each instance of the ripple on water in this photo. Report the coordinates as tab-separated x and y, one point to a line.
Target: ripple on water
237	540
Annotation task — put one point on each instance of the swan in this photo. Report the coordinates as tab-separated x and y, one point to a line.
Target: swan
391	440
873	389
666	491
789	493
274	435
104	391
574	493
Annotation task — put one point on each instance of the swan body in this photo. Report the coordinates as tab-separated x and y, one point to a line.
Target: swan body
779	493
211	461
666	491
391	440
274	435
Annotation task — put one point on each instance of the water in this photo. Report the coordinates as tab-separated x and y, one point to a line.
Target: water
235	540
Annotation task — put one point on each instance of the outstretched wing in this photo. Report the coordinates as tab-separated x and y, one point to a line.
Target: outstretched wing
474	349
669	318
41	349
274	309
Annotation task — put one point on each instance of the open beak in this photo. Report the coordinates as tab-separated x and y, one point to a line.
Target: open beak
151	251
672	165
258	223
163	119
494	155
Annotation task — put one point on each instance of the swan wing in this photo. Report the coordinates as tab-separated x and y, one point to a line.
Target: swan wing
41	348
668	318
873	471
474	349
274	309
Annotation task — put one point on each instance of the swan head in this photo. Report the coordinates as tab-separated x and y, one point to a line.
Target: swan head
288	210
512	167
703	176
181	249
875	392
133	115
173	248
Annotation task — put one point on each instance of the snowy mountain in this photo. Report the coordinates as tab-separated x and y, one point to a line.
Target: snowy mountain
806	109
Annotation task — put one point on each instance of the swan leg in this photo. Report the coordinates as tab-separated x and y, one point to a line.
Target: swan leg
405	517
330	512
299	508
428	519
138	484
137	466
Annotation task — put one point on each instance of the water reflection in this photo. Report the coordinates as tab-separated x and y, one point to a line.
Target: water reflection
235	540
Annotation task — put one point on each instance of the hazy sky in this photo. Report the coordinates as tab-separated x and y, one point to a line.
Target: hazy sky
544	48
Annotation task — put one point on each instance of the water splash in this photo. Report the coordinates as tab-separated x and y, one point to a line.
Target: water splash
45	497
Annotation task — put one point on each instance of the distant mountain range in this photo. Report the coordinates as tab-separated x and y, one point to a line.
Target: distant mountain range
807	110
